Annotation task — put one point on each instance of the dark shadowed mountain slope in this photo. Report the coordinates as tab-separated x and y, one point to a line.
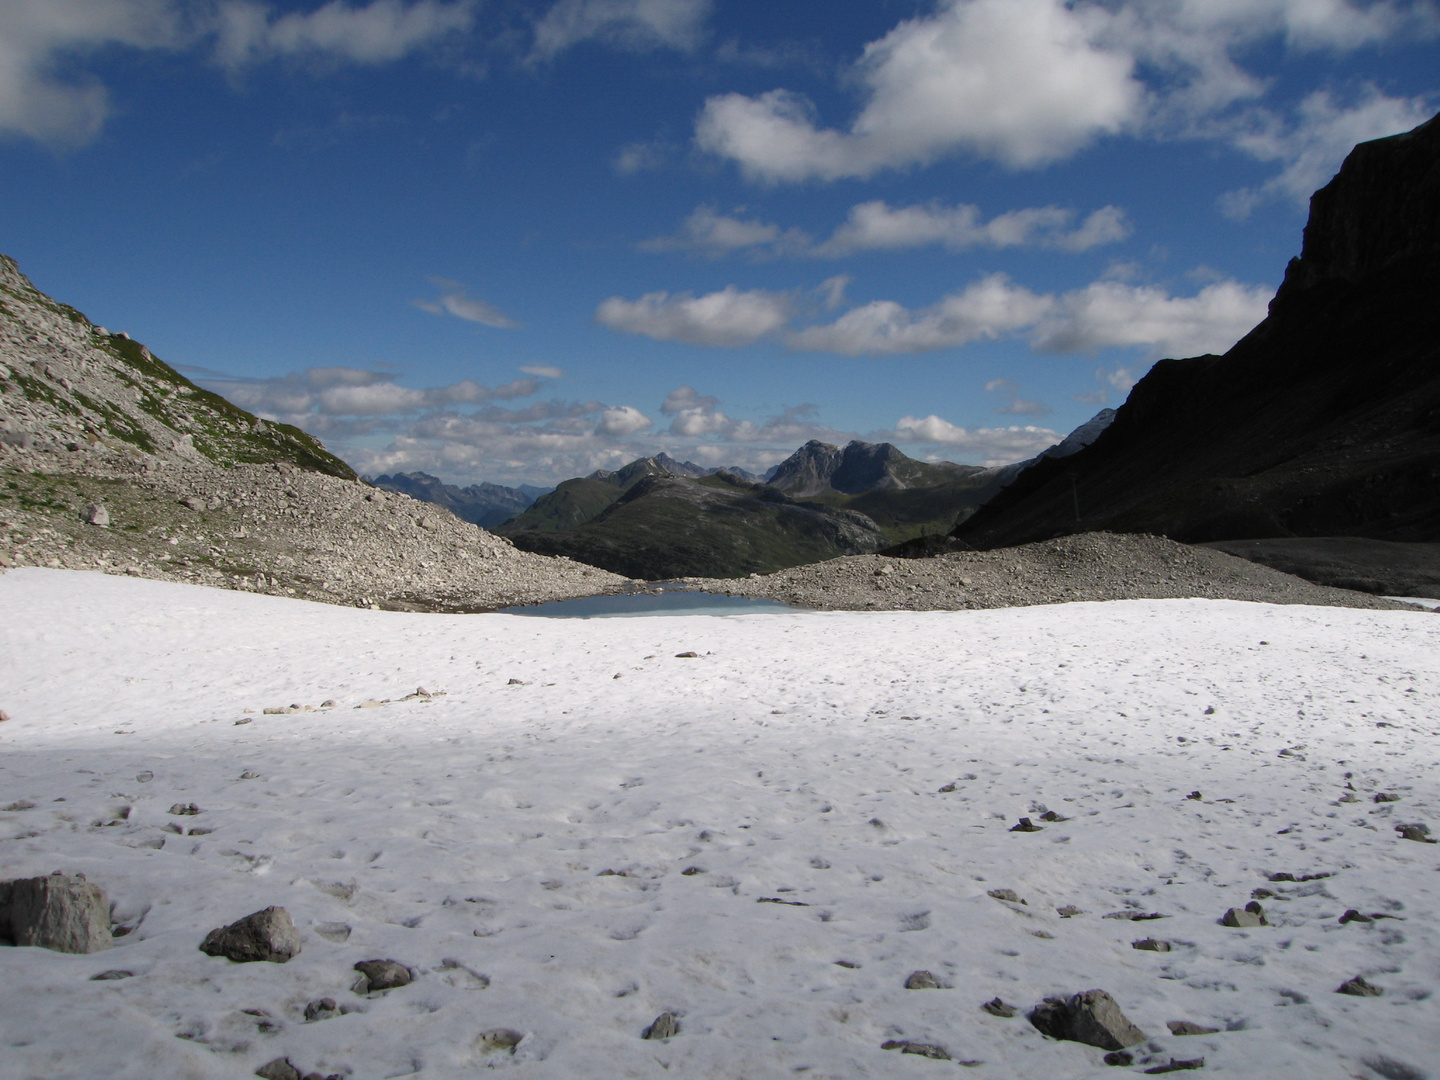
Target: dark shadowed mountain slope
665	526
486	505
1323	421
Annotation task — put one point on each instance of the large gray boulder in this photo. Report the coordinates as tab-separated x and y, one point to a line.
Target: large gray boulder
1091	1017
262	935
61	912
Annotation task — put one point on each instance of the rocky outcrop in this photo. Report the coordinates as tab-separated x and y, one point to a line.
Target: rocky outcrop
1323	421
62	912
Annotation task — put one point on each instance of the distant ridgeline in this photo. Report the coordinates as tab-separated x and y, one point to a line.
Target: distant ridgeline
1323	422
67	385
658	518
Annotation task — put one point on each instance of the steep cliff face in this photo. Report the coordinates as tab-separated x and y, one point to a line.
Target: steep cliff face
1324	420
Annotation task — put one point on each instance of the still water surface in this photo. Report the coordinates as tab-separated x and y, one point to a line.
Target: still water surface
669	602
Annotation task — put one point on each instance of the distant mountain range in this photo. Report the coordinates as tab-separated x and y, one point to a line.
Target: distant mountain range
1323	422
658	518
486	505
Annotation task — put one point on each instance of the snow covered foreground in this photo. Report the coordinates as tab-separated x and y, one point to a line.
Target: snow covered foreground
797	758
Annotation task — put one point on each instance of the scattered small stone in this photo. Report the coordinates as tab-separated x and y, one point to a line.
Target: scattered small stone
1417	832
1006	894
19	805
1051	815
1252	914
1091	1017
267	935
948	788
664	1026
1263	894
500	1039
691	871
144	776
1195	795
279	1069
1044	935
996	1007
780	900
1119	1057
275	710
1151	944
1386	796
369	703
244	720
1026	825
321	1009
1185	1027
329	703
95	514
61	912
1351	915
1302	877
517	682
378	975
184	809
249	774
687	656
1358	987
1069	911
1176	1066
112	975
905	1046
1135	916
922	980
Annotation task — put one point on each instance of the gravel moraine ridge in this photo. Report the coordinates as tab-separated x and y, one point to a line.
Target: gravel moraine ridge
268	528
1090	566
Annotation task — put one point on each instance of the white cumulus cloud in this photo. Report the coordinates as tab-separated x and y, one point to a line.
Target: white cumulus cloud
1023	82
38	37
1030	82
377	32
994	446
728	317
877	226
1110	313
990	308
454	301
636	25
621	420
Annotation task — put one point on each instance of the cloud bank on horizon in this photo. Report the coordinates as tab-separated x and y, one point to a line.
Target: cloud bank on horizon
434	213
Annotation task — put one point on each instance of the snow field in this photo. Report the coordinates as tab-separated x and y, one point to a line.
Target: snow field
797	758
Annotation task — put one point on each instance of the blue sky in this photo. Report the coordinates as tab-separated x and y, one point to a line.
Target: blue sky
517	241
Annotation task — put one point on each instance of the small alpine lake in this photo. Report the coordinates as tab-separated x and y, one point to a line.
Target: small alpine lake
661	600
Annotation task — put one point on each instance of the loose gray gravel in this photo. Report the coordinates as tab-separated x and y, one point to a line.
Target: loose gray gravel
1090	566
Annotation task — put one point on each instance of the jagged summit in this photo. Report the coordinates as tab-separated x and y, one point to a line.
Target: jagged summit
859	467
